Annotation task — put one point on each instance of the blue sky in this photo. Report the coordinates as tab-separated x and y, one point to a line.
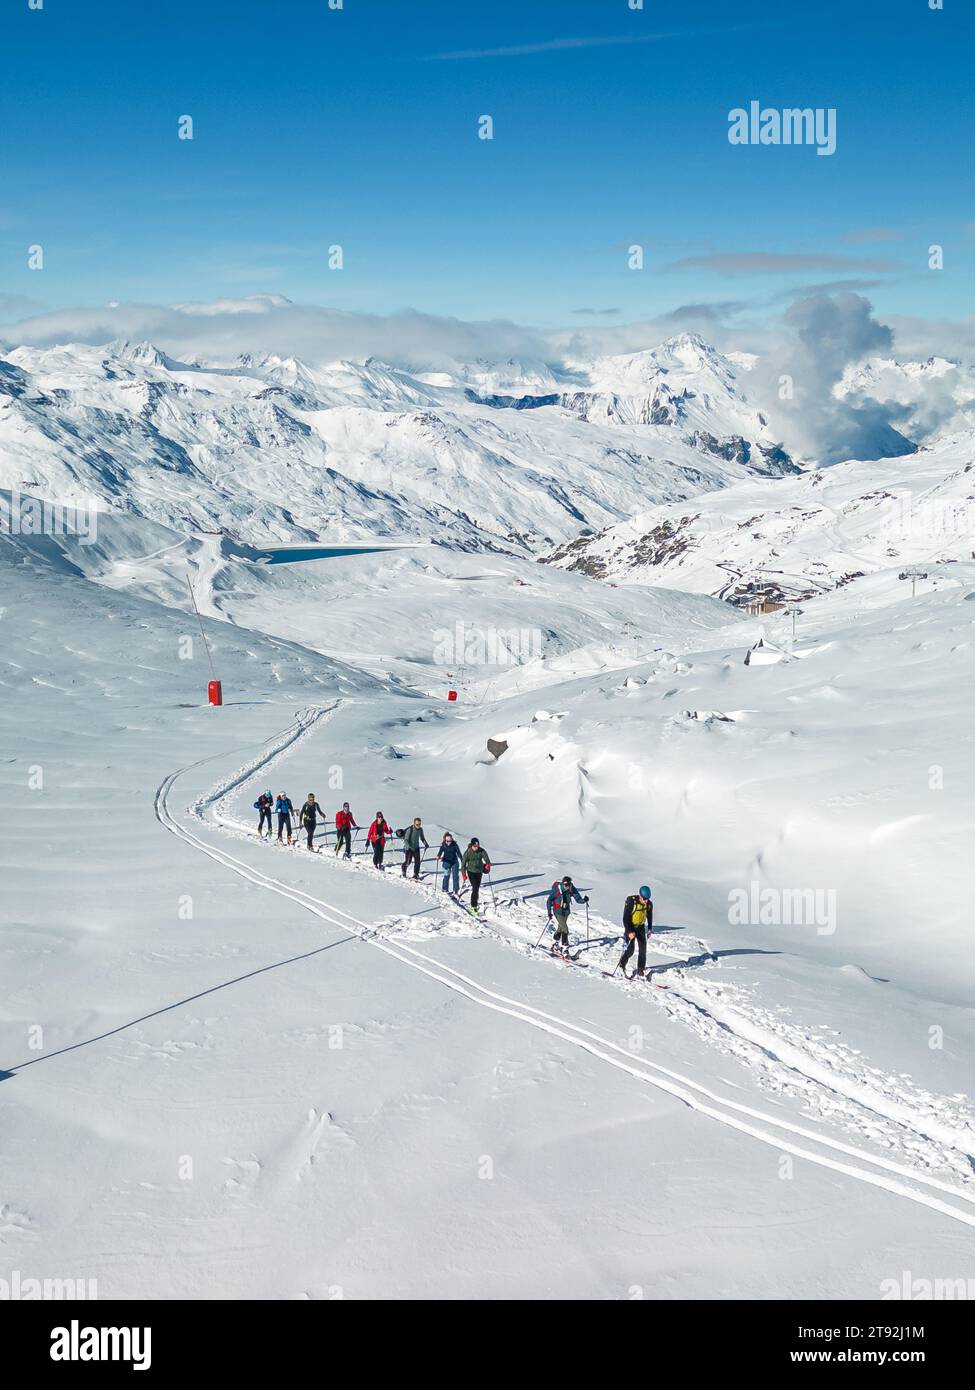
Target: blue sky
315	127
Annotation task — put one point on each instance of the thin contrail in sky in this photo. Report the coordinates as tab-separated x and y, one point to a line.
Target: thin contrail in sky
555	45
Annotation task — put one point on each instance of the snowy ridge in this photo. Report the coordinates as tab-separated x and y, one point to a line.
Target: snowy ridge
796	537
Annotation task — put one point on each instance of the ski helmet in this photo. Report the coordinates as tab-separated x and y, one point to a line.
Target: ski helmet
644	891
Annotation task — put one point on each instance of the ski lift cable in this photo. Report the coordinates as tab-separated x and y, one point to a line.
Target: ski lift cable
206	644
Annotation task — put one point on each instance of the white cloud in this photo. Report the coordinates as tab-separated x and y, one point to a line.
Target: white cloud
821	336
270	324
923	338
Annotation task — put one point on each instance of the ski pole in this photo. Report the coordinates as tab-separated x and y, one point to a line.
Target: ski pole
587	925
544	930
493	894
626	943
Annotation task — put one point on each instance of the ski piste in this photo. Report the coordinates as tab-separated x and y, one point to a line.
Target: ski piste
696	1009
406	930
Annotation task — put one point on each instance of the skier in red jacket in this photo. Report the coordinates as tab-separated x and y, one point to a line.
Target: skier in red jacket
379	833
344	825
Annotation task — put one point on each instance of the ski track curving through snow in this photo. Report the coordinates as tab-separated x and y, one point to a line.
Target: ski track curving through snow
895	1178
743	1118
781	1056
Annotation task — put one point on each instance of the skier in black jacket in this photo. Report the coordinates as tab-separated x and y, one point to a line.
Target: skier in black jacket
310	812
263	804
637	926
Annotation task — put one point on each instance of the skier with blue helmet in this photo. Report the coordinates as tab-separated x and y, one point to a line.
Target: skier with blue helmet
637	926
264	804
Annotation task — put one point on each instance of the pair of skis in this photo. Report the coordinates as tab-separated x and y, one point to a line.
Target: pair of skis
648	976
466	907
563	956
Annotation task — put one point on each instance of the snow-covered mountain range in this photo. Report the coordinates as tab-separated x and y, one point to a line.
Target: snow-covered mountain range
508	455
653	467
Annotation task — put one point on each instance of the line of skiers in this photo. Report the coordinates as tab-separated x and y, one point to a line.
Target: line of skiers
307	818
473	863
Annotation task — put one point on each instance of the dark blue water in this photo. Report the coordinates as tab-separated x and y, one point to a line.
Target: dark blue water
315	552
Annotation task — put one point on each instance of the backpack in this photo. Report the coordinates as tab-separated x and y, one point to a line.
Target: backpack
561	897
638	912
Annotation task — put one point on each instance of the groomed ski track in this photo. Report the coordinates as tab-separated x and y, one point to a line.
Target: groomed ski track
897	1179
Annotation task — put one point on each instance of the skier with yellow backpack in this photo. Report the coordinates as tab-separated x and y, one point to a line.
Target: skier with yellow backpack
637	926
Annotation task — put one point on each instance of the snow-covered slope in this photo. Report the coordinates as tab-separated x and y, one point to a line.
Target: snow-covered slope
233	1069
796	537
341	609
